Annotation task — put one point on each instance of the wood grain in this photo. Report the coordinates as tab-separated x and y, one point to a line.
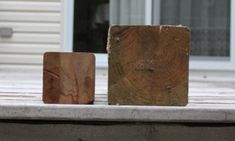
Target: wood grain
211	99
148	65
68	78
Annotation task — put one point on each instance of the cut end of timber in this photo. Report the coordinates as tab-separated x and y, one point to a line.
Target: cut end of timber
148	65
68	78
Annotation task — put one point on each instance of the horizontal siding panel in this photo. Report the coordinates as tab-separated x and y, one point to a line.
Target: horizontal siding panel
34	0
29	6
28	48
29	17
37	28
32	27
20	59
32	38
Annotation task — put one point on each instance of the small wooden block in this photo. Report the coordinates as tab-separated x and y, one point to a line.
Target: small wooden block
68	78
148	65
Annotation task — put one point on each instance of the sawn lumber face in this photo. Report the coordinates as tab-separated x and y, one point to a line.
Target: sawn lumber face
148	65
68	78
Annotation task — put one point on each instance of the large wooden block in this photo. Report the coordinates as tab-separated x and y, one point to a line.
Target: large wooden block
148	65
68	78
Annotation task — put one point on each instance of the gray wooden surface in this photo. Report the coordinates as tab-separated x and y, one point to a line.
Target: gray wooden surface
57	131
211	99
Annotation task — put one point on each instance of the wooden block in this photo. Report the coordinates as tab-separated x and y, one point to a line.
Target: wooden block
68	78
148	65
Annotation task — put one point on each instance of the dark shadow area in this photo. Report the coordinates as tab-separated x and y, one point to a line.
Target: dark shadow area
91	23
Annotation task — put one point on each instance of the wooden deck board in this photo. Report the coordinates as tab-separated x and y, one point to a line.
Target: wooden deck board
21	98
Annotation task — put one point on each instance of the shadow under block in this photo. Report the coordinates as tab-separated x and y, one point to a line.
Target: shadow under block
68	78
148	65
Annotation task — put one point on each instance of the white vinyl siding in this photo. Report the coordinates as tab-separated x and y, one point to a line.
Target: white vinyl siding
37	27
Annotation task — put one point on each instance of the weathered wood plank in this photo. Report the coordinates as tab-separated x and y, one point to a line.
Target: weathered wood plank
208	102
113	131
116	113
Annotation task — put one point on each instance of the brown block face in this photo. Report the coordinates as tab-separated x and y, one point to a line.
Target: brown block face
68	78
148	65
